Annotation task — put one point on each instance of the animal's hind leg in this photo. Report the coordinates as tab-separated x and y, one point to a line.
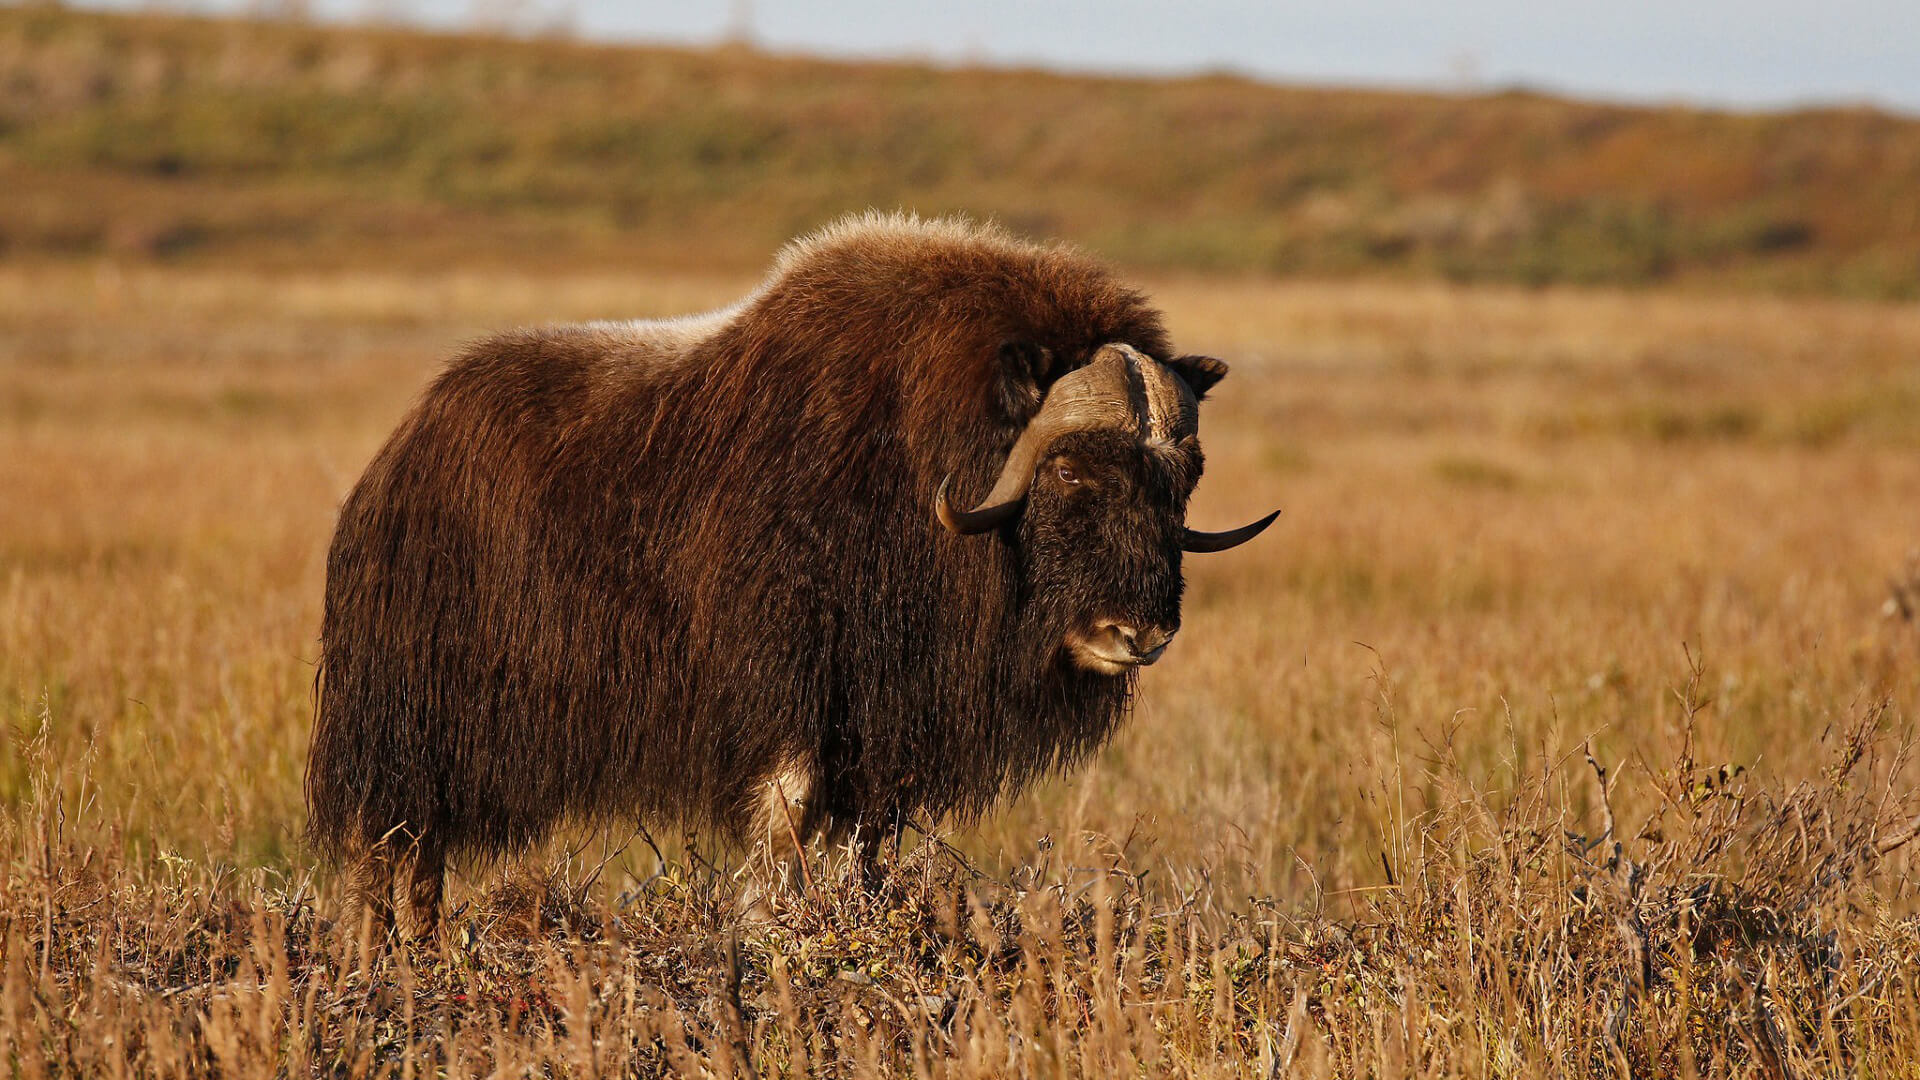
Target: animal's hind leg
882	849
370	892
872	843
426	876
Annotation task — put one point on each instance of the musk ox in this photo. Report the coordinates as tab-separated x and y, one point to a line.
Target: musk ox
715	571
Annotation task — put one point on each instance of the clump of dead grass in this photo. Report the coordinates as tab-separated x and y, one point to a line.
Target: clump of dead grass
1739	927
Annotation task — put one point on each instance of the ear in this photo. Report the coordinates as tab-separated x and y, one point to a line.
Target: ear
1025	367
1200	372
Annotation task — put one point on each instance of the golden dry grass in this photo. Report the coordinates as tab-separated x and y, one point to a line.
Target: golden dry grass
1351	828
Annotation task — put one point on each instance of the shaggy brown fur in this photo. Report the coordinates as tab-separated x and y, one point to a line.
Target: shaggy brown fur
622	569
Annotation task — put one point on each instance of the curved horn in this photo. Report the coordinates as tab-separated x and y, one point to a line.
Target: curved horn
1009	488
991	514
1191	540
1093	396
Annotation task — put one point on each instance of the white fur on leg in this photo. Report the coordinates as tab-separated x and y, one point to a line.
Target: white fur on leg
779	850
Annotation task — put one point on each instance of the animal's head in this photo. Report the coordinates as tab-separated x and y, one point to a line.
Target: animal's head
1094	497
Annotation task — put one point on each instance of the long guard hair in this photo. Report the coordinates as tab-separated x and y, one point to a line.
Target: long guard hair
618	569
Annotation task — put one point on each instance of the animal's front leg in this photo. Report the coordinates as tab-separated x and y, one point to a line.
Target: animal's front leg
786	819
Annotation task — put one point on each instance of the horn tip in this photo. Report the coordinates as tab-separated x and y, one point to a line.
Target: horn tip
1200	542
942	509
984	518
1261	525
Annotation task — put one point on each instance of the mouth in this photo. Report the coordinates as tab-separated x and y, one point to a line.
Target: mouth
1111	653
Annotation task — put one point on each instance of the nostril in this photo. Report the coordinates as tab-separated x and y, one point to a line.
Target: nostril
1151	641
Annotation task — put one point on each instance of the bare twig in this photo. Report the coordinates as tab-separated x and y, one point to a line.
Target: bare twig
799	850
1899	838
1606	794
732	1016
1769	1043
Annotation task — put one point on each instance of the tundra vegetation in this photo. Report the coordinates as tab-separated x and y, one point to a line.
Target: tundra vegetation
1352	825
188	139
1561	724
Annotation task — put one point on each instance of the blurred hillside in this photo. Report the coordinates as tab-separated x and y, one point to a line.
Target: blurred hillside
177	138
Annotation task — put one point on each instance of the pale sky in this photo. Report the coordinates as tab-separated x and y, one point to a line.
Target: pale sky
1716	52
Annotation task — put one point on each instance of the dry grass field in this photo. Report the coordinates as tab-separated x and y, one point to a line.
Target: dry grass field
1562	725
1352	829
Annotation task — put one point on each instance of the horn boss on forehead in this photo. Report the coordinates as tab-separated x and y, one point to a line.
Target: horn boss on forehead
1171	412
1100	395
1121	389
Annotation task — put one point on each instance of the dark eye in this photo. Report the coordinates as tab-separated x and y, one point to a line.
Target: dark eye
1066	474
